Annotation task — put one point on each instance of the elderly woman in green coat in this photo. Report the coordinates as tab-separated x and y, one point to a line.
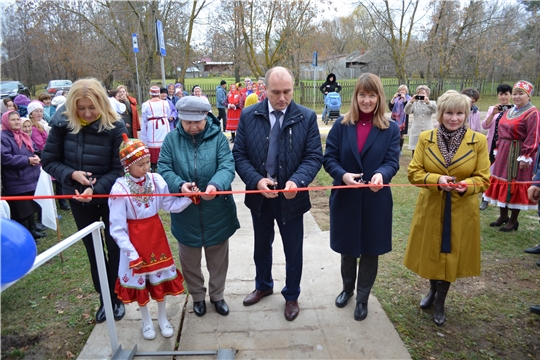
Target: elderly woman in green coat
451	167
195	158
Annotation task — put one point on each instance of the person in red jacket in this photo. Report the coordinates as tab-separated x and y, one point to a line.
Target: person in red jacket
131	116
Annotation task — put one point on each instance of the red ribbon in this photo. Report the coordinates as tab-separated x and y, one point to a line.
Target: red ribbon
233	192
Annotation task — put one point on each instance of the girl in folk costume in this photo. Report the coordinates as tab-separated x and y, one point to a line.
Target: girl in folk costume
146	262
155	124
234	110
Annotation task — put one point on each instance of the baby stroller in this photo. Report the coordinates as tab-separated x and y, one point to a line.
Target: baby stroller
332	105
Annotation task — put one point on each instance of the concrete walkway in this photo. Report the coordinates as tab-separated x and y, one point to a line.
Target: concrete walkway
321	331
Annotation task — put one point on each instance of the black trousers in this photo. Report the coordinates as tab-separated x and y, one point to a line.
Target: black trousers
292	235
222	115
367	272
85	215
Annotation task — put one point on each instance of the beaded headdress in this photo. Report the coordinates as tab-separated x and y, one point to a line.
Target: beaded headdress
525	86
131	151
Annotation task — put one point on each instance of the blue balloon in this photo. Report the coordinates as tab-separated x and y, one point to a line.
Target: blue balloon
18	250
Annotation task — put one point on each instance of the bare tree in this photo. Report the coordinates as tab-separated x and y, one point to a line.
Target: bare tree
280	37
87	38
196	8
530	36
224	38
396	25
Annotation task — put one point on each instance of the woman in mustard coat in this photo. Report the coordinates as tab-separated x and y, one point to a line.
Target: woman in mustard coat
451	166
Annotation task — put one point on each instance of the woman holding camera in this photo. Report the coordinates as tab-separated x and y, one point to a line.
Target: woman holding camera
451	167
494	115
517	145
422	108
397	107
491	124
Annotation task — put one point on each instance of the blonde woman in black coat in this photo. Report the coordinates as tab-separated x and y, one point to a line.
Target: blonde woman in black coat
82	152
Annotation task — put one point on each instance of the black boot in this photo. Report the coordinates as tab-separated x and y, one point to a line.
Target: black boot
31	226
427	301
64	204
439	317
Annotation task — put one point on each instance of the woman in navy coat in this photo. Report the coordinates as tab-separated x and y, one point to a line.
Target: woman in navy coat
362	147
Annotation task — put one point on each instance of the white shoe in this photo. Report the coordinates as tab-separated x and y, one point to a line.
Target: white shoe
167	330
148	332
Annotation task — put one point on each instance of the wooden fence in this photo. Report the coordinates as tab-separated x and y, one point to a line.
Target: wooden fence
304	92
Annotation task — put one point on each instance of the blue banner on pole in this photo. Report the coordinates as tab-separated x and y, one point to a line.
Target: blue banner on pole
135	43
314	61
160	39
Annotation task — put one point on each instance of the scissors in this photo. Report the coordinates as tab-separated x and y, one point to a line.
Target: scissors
90	179
361	180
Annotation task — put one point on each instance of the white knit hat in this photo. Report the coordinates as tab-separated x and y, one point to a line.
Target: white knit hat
34	105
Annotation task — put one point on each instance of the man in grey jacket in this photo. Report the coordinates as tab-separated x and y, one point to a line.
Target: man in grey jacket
221	101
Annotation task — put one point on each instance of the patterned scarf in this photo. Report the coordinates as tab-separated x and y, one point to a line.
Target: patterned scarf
449	142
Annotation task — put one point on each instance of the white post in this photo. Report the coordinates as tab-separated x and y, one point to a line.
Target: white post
138	85
163	72
104	282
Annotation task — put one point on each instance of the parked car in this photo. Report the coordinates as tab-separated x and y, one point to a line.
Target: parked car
12	89
55	85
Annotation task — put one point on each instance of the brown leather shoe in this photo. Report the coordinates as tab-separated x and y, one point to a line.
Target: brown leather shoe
291	310
256	296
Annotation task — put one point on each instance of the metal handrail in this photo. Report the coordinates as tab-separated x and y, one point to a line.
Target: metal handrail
117	351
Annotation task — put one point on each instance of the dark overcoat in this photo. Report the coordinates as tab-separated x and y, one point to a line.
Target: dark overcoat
299	158
360	219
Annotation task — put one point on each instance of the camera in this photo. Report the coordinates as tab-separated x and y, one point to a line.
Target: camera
419	97
504	107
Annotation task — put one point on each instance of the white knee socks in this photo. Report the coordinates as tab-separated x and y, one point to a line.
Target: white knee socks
164	324
147	325
162	312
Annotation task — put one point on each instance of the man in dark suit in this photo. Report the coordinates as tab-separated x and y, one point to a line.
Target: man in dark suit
278	145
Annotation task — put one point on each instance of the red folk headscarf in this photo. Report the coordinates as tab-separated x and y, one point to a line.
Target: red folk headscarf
20	136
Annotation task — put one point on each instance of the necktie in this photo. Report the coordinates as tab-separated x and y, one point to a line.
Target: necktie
273	146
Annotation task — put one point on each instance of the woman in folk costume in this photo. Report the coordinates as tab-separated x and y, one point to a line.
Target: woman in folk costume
155	124
146	263
517	145
234	110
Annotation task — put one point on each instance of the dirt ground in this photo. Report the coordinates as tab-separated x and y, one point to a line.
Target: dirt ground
319	207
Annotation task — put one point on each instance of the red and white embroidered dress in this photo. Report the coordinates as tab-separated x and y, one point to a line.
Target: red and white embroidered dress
519	133
138	231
